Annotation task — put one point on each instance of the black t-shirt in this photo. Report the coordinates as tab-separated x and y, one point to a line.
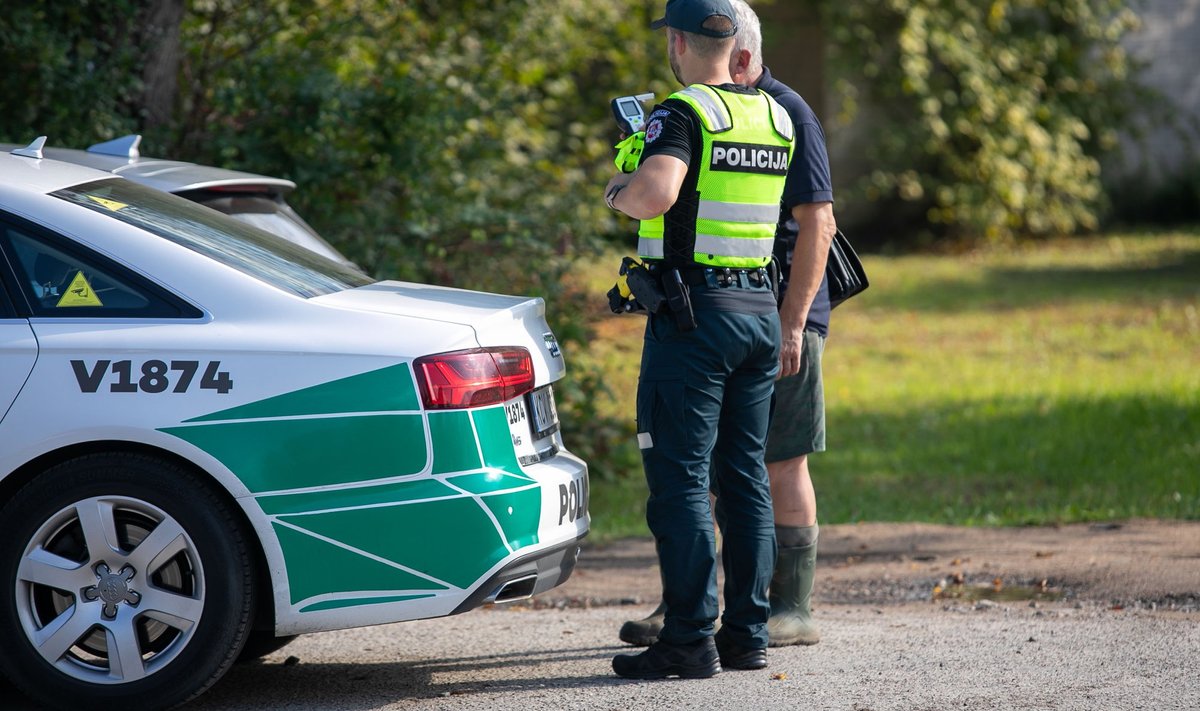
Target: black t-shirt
673	129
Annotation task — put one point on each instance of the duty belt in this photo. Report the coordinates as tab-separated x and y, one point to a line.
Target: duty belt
721	278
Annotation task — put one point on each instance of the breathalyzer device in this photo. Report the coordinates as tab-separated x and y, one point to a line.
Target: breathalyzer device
629	112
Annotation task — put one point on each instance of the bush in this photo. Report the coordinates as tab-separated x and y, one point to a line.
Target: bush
993	113
72	71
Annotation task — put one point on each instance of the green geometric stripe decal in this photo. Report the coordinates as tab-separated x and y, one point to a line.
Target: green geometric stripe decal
518	514
453	441
356	496
374	499
495	439
453	540
269	455
339	570
357	601
488	482
385	390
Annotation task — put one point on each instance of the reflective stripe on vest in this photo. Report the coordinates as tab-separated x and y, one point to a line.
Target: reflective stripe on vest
711	109
738	212
735	246
783	122
747	145
650	248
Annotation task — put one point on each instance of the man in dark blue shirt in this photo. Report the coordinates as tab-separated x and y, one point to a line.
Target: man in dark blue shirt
806	227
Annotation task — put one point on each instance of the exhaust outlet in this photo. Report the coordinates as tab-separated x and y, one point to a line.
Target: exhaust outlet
513	590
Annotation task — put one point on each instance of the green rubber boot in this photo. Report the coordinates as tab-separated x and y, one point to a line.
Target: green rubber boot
791	594
644	632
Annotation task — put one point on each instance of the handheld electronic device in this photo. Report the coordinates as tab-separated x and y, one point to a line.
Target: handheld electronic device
629	112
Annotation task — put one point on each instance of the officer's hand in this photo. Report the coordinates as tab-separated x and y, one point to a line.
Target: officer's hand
618	179
791	352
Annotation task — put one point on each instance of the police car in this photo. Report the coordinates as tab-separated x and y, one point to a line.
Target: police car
209	434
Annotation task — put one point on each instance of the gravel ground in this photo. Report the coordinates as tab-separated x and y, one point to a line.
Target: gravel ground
913	616
915	656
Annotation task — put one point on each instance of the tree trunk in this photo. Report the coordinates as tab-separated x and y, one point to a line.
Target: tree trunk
163	54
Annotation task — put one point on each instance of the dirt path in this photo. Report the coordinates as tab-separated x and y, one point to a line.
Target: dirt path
1137	564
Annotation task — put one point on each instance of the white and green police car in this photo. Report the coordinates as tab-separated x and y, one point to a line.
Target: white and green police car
210	435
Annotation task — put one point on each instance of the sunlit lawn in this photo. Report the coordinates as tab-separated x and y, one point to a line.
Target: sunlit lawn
1049	383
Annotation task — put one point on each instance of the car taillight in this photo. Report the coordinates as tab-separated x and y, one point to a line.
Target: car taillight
474	377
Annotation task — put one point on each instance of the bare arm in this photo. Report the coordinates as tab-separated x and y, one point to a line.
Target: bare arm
650	190
817	226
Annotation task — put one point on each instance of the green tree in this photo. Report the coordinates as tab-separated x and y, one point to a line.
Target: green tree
72	70
992	114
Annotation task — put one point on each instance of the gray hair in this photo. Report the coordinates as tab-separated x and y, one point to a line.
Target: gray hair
749	34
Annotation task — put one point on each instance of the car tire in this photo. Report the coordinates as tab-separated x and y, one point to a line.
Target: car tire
124	581
260	643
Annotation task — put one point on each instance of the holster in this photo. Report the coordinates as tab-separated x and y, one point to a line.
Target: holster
679	300
642	284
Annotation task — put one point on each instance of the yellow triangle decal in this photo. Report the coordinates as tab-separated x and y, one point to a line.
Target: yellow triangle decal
110	204
79	293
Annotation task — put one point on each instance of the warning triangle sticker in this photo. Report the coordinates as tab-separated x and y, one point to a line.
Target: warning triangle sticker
105	202
79	293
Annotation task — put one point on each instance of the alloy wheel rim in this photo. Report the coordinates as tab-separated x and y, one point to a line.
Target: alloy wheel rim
110	589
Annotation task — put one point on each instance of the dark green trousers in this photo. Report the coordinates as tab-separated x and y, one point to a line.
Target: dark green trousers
705	396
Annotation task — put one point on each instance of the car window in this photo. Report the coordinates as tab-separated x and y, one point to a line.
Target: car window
268	213
6	307
253	251
58	281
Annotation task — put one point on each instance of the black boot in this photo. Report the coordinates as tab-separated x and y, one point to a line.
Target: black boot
696	660
735	656
644	632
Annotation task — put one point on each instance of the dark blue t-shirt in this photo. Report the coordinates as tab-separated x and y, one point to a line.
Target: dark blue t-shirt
808	181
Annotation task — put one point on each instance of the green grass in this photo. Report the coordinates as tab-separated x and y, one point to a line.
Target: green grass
1047	383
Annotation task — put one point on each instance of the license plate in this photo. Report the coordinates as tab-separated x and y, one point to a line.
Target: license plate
543	415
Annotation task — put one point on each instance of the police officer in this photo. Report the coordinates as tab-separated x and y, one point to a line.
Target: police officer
798	425
707	192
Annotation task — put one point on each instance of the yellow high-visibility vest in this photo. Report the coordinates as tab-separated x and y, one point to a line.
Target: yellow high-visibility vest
748	140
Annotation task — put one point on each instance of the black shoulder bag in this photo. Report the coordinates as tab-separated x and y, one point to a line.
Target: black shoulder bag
843	270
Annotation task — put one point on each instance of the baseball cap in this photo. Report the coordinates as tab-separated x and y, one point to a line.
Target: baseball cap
689	16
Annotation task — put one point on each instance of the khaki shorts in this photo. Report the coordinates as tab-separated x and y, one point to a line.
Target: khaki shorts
798	422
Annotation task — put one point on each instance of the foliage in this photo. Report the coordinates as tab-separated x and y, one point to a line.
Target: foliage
992	114
71	70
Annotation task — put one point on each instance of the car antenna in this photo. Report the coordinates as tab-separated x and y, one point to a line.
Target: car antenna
33	150
123	147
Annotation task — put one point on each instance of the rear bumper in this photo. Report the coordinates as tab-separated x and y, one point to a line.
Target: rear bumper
526	576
